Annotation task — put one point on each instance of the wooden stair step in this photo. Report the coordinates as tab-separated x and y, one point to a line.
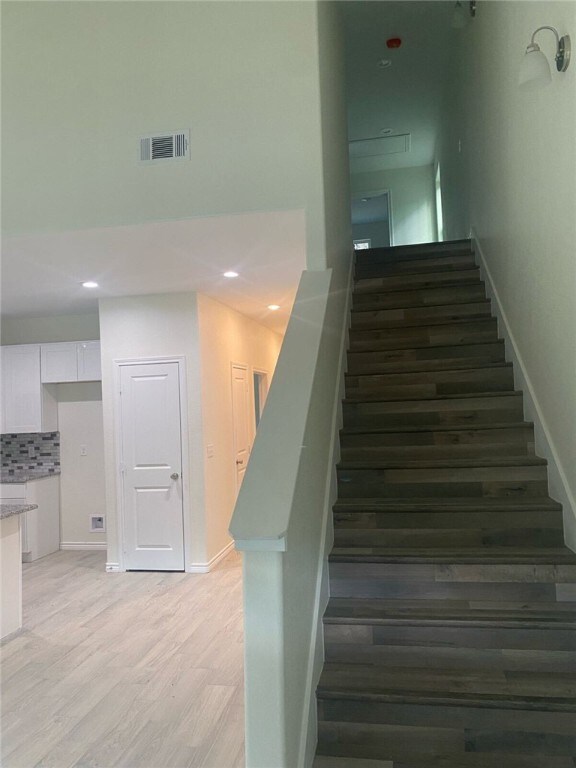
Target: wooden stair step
456	613
562	561
448	463
446	745
402	656
418	297
463	505
464	538
522	690
471	381
362	319
366	359
454	410
488	360
428	434
323	761
407	252
460	519
424	273
439	335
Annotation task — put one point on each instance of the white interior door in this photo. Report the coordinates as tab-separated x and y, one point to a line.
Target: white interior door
241	411
151	454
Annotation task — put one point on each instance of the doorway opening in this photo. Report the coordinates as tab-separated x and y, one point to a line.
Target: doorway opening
372	219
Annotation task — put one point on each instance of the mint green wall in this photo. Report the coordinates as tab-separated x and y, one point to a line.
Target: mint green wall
82	81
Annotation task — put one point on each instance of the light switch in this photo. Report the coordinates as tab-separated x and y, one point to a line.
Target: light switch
83	450
210	451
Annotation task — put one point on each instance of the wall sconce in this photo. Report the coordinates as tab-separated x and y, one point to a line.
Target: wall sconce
459	17
535	69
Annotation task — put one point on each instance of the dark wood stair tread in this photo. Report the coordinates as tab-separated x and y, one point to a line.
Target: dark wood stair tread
434	555
462	613
509	690
409	428
497	461
449	504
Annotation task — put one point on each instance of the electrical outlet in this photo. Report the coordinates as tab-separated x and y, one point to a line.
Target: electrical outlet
97	523
83	450
210	451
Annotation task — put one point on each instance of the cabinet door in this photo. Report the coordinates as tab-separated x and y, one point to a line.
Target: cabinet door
21	389
89	366
59	363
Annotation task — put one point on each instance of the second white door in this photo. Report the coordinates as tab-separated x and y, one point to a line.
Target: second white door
242	421
151	448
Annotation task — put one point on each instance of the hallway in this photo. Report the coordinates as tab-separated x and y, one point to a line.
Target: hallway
131	669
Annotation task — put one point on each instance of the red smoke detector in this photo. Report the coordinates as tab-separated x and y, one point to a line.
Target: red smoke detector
394	42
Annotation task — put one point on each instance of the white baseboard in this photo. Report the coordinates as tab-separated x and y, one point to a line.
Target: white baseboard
557	480
113	568
78	545
207	567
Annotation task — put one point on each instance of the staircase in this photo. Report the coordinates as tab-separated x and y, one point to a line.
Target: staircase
450	634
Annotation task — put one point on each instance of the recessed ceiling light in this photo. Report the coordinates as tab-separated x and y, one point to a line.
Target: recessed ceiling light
365	199
89	284
385	63
230	273
273	307
386	131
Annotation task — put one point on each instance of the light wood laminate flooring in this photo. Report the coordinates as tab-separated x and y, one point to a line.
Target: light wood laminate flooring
130	670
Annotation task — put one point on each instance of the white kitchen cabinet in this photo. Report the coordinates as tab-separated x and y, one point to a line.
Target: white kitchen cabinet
70	361
58	362
26	405
89	365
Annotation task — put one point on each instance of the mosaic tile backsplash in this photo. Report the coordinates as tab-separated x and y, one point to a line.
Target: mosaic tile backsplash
31	451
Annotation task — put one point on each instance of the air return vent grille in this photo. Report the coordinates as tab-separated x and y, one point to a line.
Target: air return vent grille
160	147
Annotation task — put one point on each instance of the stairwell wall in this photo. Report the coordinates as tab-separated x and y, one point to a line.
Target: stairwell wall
513	185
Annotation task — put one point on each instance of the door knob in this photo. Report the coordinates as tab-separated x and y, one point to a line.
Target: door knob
174	476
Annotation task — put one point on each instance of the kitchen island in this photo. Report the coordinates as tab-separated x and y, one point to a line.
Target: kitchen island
11	566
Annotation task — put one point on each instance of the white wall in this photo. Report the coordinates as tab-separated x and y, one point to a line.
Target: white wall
35	330
153	326
226	337
377	231
82	81
209	336
516	172
82	486
412	199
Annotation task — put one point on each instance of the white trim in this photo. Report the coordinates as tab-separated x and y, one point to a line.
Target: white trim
186	512
113	568
83	545
207	567
557	480
309	727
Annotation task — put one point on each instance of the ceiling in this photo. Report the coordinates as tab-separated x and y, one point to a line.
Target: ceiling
405	97
42	274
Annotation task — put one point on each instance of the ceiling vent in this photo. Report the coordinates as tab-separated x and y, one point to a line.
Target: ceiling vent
160	147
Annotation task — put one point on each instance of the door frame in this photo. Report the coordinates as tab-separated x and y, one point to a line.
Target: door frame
118	364
266	374
250	412
378	193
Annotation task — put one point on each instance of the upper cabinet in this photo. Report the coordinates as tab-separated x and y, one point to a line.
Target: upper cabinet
58	363
71	361
88	357
27	406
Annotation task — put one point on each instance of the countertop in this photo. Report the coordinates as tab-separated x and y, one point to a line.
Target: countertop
7	510
25	475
